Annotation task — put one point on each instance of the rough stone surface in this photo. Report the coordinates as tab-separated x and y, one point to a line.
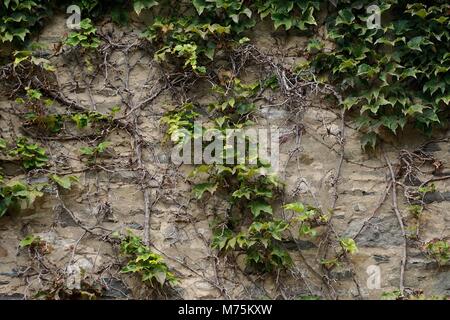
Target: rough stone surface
179	225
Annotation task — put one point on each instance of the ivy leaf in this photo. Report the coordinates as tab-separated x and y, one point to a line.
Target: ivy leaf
87	151
28	241
103	146
349	102
410	72
307	18
296	206
345	17
282	20
65	182
259	206
210	50
414	109
365	69
306	230
200	189
369	140
416	42
349	245
242	192
20	56
433	85
391	122
199	5
21	33
160	276
445	99
140	5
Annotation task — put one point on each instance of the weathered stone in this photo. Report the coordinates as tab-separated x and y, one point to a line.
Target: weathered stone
3	252
441	283
114	289
65	219
381	258
358	207
431	197
299	244
123	177
423	264
205	290
381	232
13	296
76	272
341	274
135	226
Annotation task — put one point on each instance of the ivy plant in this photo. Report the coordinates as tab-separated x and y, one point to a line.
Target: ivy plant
439	250
86	37
31	155
249	185
395	74
142	261
15	195
19	17
92	153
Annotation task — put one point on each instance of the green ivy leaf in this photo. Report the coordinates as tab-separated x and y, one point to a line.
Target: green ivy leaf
199	5
345	17
28	241
65	182
140	5
296	206
259	206
369	140
200	189
349	245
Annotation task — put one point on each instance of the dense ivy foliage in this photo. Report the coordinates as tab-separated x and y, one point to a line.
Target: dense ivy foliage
16	195
250	189
142	261
390	76
217	25
186	39
395	74
18	18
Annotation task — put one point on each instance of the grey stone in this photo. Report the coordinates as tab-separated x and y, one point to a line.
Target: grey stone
412	180
431	147
163	158
358	207
341	274
441	283
75	273
123	177
381	258
135	226
382	231
14	296
65	220
13	273
33	180
425	263
299	244
431	197
114	289
273	113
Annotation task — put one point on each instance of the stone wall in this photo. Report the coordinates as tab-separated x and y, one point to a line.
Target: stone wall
112	199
